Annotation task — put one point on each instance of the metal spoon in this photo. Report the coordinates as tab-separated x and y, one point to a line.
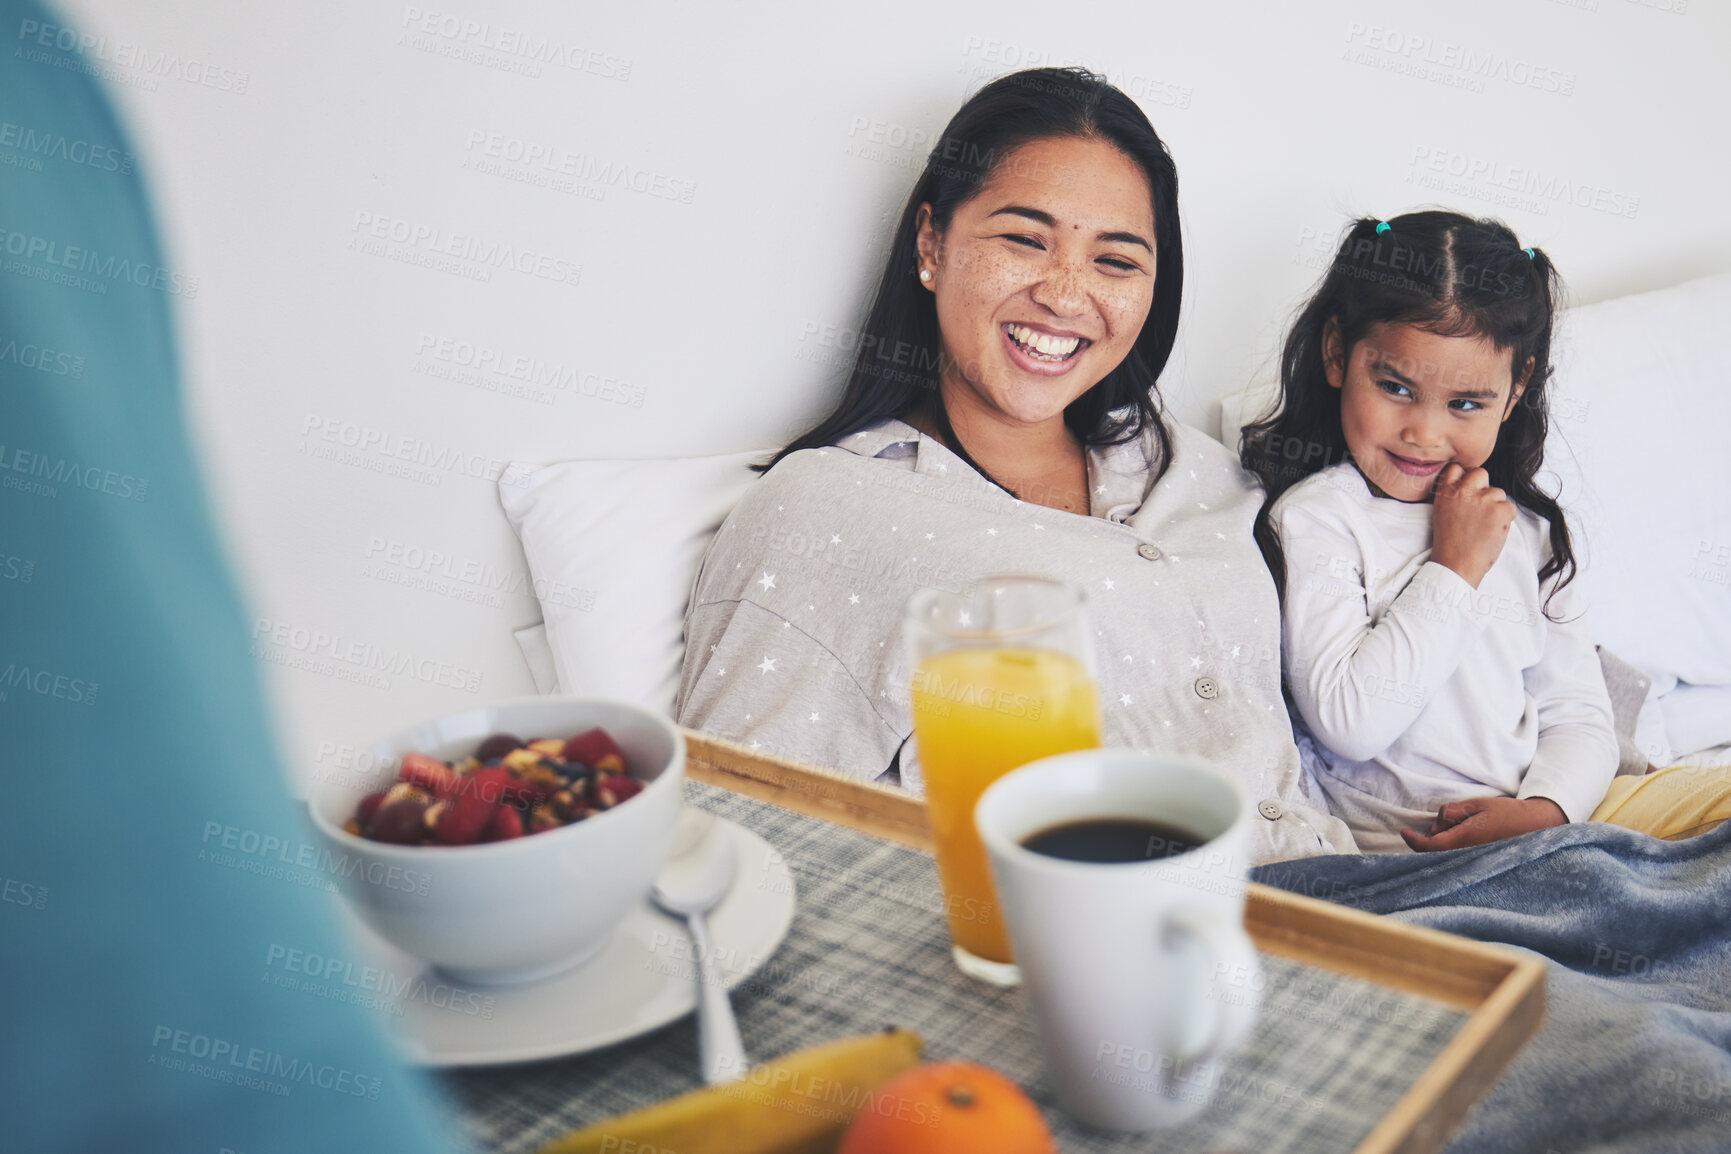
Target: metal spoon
692	883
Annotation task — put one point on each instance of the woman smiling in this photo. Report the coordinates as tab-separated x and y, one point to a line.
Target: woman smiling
1002	416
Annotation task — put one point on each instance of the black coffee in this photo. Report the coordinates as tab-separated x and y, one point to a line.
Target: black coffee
1112	839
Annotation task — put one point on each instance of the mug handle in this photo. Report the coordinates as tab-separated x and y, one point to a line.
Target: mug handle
1224	949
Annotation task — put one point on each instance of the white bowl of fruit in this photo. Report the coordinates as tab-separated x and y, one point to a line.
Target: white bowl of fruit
507	843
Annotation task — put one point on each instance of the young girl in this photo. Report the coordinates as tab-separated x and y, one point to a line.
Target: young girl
1433	641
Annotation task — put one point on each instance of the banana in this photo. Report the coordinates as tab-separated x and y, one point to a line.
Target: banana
798	1104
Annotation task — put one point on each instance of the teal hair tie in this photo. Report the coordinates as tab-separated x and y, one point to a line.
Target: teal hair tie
1382	226
1529	253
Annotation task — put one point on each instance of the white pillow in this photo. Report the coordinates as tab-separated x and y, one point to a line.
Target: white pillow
538	654
1697	717
613	547
1246	405
1642	398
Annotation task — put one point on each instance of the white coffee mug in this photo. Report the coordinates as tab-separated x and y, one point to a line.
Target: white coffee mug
1138	973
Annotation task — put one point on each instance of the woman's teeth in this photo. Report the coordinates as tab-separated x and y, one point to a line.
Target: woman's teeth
1043	346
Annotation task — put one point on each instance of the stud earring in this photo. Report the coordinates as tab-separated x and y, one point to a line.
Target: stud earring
926	275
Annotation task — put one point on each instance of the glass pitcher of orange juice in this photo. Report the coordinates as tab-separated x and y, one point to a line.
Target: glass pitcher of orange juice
1003	674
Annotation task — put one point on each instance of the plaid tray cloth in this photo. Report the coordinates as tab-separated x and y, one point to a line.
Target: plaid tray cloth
868	949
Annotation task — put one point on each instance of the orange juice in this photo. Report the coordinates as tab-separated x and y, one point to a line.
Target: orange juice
979	713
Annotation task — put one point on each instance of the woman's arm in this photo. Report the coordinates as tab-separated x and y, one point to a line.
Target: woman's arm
767	682
763	667
1360	684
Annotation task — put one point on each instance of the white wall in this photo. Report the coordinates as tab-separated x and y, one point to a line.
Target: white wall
776	145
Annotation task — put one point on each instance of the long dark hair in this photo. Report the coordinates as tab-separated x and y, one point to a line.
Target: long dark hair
900	349
1450	275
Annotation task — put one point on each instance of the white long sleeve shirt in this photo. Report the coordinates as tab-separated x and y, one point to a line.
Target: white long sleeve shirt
1420	689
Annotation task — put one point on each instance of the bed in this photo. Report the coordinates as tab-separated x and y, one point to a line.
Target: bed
1636	1053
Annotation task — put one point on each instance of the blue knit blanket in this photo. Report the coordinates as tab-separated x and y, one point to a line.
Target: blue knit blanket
1635	1052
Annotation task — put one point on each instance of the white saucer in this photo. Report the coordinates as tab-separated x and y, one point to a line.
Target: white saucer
644	978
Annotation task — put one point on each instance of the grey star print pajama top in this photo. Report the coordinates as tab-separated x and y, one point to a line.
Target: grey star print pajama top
793	631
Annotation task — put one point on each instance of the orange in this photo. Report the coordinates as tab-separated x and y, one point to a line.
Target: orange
948	1108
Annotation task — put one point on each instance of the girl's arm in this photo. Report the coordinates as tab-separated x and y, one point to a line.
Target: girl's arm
1361	684
1576	757
1577	751
1482	820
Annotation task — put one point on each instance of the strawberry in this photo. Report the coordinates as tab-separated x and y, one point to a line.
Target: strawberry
507	823
429	773
595	747
369	806
399	822
497	746
612	788
468	811
514	790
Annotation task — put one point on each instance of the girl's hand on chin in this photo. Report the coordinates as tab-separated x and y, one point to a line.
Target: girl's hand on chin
1482	820
1472	520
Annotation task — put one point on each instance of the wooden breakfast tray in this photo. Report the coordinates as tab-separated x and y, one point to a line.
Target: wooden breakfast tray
1502	992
